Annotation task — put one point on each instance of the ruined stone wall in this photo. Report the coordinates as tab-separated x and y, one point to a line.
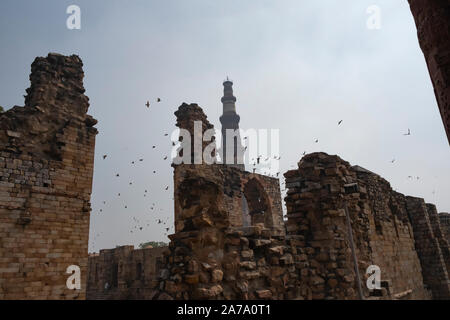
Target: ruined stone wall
433	29
431	256
314	260
439	234
222	186
46	167
124	273
212	256
210	184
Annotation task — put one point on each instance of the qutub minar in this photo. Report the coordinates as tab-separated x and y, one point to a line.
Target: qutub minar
230	120
46	174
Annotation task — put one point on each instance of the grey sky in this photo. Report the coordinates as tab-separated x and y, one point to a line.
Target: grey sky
299	66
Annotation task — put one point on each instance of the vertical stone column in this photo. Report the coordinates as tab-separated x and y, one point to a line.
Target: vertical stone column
427	245
439	234
46	169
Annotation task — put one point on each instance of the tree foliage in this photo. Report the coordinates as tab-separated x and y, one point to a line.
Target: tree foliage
154	244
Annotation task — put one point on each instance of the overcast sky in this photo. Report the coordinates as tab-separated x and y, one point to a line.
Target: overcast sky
297	66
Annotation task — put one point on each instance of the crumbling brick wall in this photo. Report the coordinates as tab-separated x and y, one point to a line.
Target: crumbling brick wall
124	273
208	184
331	207
440	234
46	167
428	248
212	256
433	29
321	192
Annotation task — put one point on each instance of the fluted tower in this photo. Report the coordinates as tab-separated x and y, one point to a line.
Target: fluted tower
230	120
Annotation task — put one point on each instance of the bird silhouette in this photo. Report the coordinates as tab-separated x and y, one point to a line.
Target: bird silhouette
340	122
158	100
407	134
148	104
104	156
317	140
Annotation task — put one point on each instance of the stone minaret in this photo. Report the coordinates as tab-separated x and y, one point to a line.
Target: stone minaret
230	120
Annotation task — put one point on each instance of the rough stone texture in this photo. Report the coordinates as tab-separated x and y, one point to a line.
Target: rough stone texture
46	167
213	256
428	247
124	273
439	233
222	187
318	193
444	219
433	28
187	115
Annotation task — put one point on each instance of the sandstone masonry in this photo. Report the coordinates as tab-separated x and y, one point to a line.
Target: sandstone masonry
341	219
46	167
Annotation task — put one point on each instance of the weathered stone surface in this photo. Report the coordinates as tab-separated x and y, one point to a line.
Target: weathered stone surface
46	168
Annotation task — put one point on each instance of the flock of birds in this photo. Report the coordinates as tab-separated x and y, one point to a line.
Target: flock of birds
139	224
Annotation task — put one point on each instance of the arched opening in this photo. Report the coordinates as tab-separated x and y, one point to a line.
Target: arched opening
258	203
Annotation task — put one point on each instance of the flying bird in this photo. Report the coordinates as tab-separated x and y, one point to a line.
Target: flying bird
104	156
340	122
407	134
148	104
317	140
158	100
